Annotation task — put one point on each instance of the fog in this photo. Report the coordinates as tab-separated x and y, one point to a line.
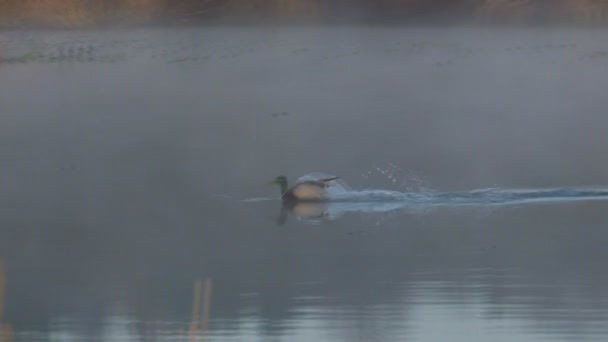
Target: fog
125	155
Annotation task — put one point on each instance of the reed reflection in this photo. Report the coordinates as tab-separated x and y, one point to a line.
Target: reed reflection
6	330
201	305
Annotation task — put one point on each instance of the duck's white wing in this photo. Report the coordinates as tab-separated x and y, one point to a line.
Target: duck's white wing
316	177
336	184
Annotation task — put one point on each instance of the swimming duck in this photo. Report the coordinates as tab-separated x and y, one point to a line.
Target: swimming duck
309	190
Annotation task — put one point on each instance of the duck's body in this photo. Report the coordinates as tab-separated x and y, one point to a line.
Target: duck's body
309	190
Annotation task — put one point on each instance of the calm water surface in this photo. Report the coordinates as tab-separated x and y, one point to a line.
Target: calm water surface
134	203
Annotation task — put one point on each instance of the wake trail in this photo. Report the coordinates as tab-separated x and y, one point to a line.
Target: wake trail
481	197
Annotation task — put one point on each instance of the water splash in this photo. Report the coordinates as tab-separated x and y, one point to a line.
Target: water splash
396	177
342	199
340	192
386	201
482	197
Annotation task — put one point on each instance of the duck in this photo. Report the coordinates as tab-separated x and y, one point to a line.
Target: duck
309	190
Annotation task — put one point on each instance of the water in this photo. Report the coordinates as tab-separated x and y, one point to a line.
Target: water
135	205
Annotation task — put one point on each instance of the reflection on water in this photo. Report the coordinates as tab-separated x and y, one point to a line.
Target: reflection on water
122	183
201	305
500	276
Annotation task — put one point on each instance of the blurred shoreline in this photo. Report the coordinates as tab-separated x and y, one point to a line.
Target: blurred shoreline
95	13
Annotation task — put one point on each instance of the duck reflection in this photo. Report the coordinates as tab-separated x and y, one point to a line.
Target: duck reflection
315	212
325	212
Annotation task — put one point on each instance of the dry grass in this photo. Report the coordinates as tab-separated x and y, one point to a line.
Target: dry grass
79	13
297	8
505	10
588	11
139	10
64	13
281	9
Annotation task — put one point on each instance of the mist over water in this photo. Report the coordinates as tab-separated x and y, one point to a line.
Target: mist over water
125	157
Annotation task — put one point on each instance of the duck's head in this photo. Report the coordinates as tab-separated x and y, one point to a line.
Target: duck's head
281	181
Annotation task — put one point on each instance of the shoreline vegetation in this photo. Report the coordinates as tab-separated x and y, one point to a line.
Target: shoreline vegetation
91	13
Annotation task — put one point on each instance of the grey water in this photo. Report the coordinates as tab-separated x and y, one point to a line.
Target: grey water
135	204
